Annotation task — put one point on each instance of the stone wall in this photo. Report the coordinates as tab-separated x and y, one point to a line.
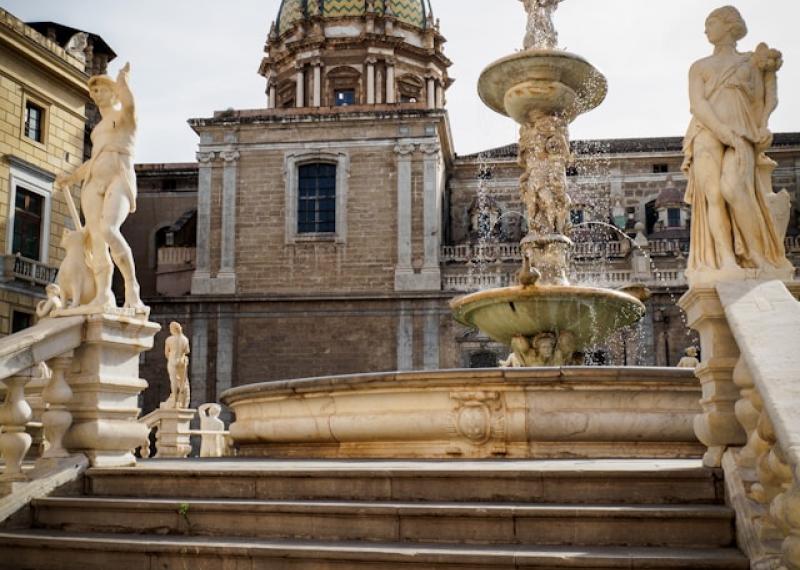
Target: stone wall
35	69
249	341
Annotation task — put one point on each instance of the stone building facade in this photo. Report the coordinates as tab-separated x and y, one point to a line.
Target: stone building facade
326	233
43	98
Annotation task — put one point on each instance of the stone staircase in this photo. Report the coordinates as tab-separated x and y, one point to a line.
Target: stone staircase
254	514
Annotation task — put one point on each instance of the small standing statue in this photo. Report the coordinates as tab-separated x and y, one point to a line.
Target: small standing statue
108	192
690	360
541	33
176	349
729	175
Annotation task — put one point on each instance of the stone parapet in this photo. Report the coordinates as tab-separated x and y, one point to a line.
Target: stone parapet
520	413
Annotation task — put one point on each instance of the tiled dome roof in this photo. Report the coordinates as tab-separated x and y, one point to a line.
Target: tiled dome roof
412	12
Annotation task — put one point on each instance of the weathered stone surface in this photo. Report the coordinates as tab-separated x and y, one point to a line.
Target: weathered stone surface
544	412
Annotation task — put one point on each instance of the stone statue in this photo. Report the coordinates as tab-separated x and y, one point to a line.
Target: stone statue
176	350
213	428
732	96
543	155
690	360
76	46
52	303
544	349
541	33
108	192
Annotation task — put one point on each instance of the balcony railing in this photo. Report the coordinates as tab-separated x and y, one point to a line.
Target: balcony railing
490	252
611	278
171	256
29	270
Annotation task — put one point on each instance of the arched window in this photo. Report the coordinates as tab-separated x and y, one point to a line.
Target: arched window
316	193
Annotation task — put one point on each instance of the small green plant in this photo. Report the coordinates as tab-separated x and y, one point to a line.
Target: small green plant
183	512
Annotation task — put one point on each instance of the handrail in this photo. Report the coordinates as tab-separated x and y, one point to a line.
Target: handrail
749	332
39	343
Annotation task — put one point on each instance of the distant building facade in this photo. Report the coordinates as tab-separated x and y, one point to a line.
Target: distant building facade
43	98
326	233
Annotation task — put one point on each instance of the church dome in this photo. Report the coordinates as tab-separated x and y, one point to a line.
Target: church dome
411	12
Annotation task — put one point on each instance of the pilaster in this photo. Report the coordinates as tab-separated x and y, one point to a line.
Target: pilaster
300	93
390	87
199	356
371	80
404	272
431	270
405	338
225	283
201	281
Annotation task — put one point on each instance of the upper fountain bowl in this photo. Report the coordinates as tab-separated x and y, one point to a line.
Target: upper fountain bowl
538	81
591	314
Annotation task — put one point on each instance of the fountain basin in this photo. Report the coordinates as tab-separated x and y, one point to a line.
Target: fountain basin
551	412
591	313
541	82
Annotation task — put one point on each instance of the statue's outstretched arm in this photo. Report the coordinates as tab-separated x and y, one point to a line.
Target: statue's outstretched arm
124	93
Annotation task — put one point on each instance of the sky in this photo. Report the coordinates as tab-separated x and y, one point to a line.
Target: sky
192	57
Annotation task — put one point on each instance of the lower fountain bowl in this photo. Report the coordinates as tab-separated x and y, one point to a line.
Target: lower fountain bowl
591	313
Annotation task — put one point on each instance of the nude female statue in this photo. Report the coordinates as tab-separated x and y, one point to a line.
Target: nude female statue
732	96
109	188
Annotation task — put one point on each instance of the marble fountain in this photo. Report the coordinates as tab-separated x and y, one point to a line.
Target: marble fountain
538	405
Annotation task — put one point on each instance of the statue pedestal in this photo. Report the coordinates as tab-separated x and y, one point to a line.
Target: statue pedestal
717	427
104	378
173	438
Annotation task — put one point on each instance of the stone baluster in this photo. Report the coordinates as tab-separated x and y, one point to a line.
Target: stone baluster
57	419
15	413
786	511
748	411
774	474
717	427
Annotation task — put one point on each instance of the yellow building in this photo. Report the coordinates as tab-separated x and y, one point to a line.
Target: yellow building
43	99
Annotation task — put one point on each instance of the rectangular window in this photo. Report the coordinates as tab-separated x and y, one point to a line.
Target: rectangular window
20	321
34	122
345	97
660	168
674	217
28	211
316	212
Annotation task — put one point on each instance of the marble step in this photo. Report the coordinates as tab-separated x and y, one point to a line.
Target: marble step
47	550
470	523
561	481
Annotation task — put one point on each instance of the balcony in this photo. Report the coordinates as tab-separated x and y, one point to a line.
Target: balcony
18	268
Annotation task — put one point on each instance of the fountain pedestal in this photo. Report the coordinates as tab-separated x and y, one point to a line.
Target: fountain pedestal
545	321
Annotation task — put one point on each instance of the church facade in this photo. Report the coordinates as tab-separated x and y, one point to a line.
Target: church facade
326	233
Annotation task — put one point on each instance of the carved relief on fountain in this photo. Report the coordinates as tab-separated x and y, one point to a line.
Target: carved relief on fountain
478	417
544	155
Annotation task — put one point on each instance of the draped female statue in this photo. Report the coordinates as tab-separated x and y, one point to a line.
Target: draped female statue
732	96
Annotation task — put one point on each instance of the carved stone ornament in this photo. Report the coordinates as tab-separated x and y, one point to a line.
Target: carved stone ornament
478	416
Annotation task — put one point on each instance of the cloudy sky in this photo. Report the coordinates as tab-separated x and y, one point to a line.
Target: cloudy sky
191	57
